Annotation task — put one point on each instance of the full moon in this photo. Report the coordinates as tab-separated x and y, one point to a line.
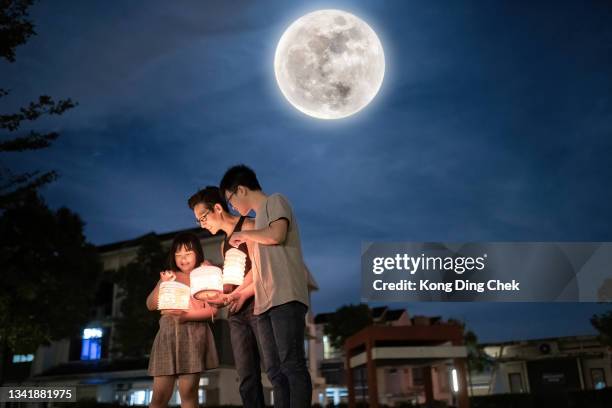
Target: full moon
329	64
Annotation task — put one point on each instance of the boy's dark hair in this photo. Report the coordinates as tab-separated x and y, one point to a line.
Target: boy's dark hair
189	241
239	175
208	196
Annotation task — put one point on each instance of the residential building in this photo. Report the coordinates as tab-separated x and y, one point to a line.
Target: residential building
544	366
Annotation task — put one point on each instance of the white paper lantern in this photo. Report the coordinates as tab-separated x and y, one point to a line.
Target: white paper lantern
173	295
233	267
206	282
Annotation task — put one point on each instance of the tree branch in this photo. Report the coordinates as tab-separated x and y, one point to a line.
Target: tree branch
45	105
32	141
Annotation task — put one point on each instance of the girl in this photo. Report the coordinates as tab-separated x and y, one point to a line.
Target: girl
184	345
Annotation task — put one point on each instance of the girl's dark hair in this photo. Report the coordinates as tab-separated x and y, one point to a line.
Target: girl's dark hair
189	241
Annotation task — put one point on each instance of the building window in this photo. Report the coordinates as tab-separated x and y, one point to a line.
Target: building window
91	346
516	383
139	397
336	395
598	378
22	358
418	376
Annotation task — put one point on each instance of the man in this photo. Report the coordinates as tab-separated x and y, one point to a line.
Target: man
211	212
281	282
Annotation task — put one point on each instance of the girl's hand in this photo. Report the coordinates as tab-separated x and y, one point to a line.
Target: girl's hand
167	276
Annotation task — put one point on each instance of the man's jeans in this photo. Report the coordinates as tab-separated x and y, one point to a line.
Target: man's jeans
243	330
281	336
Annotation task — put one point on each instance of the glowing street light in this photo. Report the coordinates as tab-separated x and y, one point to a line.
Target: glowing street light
455	380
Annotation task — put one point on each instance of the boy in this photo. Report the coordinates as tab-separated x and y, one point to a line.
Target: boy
280	279
211	213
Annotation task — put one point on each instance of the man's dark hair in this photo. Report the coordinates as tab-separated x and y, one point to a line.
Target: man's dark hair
239	175
190	242
208	196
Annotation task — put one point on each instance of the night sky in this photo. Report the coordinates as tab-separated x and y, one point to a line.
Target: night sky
493	123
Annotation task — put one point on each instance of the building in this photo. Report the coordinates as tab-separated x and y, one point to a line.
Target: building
89	363
543	366
400	378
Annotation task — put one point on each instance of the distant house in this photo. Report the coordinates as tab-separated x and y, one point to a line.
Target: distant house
545	365
397	382
87	363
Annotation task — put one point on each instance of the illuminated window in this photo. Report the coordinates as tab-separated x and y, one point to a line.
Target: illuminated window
91	346
140	397
23	358
598	377
94	333
336	394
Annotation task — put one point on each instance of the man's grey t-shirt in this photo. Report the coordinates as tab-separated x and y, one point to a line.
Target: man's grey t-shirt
279	272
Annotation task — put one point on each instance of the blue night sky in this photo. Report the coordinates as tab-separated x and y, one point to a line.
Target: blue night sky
493	124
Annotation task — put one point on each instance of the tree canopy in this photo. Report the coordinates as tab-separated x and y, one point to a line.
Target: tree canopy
345	322
47	266
136	326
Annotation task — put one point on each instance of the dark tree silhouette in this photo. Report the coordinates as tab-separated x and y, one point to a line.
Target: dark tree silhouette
345	322
136	326
49	271
49	275
15	30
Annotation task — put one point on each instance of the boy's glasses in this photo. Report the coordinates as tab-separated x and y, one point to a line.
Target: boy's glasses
202	218
229	200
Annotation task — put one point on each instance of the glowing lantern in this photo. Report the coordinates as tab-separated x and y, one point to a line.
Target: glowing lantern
206	282
233	267
173	295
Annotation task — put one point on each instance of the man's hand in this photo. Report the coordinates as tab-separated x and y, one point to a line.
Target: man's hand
206	262
167	276
237	301
237	238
